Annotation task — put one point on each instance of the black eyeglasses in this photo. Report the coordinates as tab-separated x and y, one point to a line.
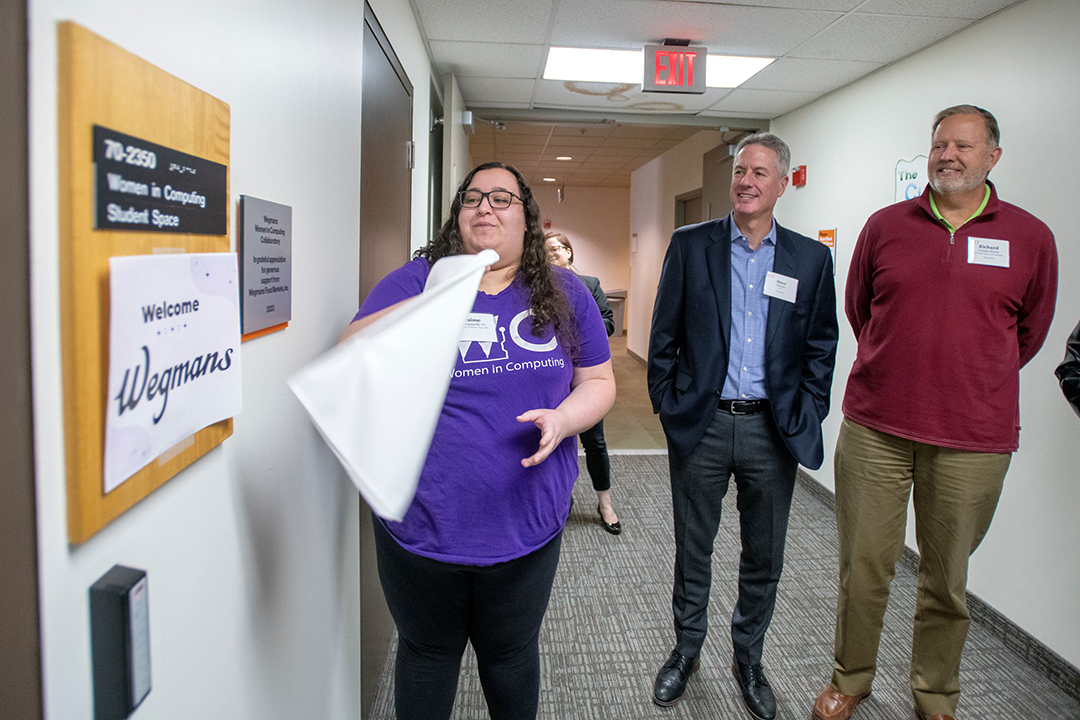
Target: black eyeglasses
497	199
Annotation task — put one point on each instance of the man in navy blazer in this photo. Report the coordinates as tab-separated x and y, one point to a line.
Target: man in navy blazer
741	357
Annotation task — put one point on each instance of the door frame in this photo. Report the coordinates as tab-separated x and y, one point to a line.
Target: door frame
376	624
20	663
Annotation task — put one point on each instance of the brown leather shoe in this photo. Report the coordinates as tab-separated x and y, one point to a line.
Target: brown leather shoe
831	704
923	716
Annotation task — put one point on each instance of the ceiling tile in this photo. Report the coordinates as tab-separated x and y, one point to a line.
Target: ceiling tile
556	148
576	141
656	132
805	74
973	9
603	162
508	21
512	140
495	90
557	168
616	152
487	59
593	130
730	29
520	157
608	97
525	128
583	179
768	103
838	5
641	143
877	38
620	181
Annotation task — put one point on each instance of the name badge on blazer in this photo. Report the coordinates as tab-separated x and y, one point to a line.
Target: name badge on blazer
781	286
987	251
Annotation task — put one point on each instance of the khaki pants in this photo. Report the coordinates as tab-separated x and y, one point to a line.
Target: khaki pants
956	493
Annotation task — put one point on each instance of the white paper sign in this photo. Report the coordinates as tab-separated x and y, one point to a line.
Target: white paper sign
781	286
987	251
909	178
376	398
174	354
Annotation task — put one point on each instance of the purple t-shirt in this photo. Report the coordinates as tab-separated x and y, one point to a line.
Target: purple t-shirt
475	504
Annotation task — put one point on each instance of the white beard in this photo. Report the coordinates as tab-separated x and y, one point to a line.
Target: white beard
960	183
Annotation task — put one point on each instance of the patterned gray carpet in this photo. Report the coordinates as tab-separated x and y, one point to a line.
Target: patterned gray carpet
608	627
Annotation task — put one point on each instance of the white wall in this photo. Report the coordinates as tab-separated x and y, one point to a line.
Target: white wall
653	188
252	552
456	160
1022	65
597	221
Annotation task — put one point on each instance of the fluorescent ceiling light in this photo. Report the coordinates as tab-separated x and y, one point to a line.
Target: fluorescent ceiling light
588	65
564	157
550	180
728	71
628	66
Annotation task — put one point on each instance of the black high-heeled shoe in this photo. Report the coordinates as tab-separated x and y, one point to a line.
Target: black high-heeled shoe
614	528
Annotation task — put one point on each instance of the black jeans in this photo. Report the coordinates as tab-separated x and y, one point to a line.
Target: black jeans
438	607
596	457
750	448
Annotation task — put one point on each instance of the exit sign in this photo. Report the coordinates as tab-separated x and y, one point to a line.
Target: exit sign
674	69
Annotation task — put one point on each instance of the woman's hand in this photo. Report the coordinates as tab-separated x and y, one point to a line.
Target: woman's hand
553	430
591	396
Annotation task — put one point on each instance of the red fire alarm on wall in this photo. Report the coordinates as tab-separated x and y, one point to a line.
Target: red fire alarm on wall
798	176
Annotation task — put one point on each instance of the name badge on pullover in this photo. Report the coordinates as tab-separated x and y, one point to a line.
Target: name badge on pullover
986	251
781	286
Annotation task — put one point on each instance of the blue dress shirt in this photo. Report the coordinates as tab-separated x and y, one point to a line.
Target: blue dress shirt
749	314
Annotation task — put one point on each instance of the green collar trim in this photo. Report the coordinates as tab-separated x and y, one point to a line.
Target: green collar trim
977	213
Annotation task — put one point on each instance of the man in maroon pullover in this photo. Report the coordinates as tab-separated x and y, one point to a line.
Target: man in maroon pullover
949	295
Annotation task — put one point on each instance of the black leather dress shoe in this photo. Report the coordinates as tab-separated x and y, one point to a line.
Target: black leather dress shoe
756	693
671	680
614	528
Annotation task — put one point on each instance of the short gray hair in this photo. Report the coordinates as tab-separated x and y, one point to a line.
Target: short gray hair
993	133
772	142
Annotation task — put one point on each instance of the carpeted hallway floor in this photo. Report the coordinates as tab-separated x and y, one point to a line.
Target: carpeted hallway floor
608	627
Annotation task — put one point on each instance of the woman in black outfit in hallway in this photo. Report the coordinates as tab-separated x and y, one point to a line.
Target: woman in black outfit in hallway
560	252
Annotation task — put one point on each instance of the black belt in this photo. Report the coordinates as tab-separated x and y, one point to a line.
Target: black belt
743	407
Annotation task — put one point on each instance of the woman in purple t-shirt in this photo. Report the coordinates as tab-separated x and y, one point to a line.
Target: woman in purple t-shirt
474	557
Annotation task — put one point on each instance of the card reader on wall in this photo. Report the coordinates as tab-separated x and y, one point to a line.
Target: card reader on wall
120	637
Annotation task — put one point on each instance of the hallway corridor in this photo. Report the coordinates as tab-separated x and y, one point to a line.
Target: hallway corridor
608	627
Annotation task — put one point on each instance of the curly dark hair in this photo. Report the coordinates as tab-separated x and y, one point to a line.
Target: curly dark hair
547	300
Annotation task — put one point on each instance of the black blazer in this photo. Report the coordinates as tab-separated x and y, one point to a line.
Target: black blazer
691	325
1068	372
593	284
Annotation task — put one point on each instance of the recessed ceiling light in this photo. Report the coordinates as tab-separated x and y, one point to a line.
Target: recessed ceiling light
550	180
728	71
564	157
590	65
628	66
